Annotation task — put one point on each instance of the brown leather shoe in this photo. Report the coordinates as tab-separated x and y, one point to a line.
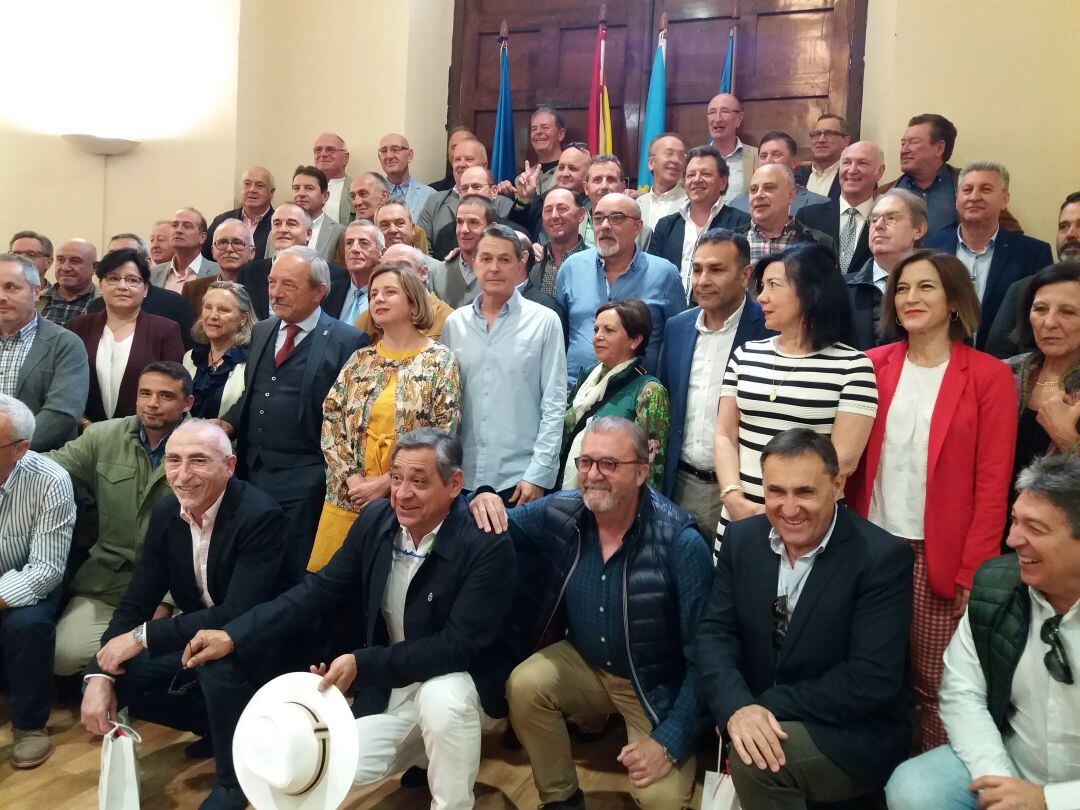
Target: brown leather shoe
31	748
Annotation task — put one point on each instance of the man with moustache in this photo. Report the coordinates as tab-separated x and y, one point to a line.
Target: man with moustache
667	158
331	156
624	572
186	236
844	218
233	246
256	208
697	346
724	116
441	207
395	157
605	175
705	181
74	289
562	214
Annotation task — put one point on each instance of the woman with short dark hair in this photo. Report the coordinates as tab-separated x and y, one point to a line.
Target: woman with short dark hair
121	339
617	385
939	457
807	376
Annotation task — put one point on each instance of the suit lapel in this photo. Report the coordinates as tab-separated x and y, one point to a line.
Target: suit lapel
140	355
218	537
998	278
380	572
38	349
320	340
952	387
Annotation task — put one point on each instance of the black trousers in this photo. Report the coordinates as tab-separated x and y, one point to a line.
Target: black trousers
300	492
207	700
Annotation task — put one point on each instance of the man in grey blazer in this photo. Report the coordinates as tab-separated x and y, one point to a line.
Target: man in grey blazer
41	364
187	234
309	191
331	156
441	207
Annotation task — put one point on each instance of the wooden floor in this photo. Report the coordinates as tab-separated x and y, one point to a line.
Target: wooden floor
68	781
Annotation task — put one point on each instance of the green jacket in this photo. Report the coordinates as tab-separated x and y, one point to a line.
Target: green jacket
999	612
109	463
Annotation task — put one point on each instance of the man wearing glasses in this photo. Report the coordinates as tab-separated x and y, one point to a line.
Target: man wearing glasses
36	247
723	117
233	246
803	642
1009	697
615	270
331	156
624	572
828	139
395	157
217	545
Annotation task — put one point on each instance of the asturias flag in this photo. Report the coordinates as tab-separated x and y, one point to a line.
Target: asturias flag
727	78
503	158
655	108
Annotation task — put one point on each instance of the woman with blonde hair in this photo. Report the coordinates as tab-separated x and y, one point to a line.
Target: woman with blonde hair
218	361
403	382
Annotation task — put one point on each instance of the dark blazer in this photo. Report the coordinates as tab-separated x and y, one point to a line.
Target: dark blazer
999	341
826	218
676	358
840	670
865	305
1016	256
255	276
52	382
155	338
333	343
164	303
244	568
802	174
668	235
262	230
455	610
533	293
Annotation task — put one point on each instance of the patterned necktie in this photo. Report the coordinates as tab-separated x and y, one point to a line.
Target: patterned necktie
291	331
354	310
847	240
397	193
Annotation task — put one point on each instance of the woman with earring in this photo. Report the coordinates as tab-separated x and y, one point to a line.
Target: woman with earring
938	463
219	359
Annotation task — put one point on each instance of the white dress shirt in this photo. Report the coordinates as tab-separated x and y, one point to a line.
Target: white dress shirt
820	182
736	182
703	392
881	277
654	207
316	226
691	233
1043	743
110	363
862	216
306	325
200	546
333	205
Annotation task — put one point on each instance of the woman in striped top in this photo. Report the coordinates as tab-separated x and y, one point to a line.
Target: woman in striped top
804	377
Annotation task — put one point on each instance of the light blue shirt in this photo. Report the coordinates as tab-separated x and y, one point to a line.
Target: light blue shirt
413	193
352	307
977	262
513	392
803	198
792	578
582	287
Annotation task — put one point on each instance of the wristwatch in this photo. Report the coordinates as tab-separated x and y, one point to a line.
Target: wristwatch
139	635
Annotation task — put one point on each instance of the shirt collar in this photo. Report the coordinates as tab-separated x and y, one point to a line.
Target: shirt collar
258	217
9	484
834	168
160	449
684	209
194	267
27	332
317	222
987	247
403	187
630	268
864	208
879	272
737	150
426	542
777	543
731	323
512	303
673	193
306	325
209	516
789	226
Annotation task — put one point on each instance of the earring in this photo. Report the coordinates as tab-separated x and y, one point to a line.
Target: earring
898	321
954	316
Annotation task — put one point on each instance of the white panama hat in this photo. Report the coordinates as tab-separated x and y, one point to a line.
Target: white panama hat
296	748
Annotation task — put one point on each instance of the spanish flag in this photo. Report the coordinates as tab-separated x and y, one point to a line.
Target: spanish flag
599	137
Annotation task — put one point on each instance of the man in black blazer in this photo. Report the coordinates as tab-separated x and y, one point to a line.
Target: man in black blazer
982	194
705	178
802	645
218	546
828	140
424	594
295	357
257	192
845	218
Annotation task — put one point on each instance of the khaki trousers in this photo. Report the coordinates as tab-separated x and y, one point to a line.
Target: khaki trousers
78	633
557	682
701	499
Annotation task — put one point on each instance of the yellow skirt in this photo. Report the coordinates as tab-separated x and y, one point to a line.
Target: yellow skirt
333	526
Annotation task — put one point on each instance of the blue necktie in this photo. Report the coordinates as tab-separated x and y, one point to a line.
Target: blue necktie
354	310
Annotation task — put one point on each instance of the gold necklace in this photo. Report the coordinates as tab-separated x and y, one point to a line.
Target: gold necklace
1047	384
776	385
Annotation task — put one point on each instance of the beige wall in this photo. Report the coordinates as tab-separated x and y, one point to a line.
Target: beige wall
999	70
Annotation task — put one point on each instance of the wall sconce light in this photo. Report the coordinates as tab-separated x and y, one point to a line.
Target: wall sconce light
100	146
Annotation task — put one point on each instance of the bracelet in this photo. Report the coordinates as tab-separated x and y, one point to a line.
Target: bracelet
729	489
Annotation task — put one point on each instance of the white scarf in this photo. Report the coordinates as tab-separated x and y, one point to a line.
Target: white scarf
592	390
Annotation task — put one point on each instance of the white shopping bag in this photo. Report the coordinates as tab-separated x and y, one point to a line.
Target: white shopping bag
719	790
118	786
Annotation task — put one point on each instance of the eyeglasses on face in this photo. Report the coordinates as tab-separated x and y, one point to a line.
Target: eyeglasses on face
616	219
392	150
235	244
31	254
1055	660
127	281
827	133
889	219
724	112
606	466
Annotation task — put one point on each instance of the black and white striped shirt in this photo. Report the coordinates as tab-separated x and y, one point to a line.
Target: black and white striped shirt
37	513
777	391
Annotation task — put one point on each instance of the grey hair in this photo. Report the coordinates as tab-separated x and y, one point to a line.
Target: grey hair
46	242
619	424
144	248
797	442
220	440
307	220
382	181
916	205
380	240
318	269
29	269
445	446
1056	478
986	166
243	303
21	418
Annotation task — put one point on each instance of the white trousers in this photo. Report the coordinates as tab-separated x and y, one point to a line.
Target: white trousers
437	726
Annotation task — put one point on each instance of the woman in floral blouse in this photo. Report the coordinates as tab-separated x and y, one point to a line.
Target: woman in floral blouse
403	382
617	385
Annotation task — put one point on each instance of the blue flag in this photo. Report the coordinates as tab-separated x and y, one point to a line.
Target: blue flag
655	109
727	78
503	157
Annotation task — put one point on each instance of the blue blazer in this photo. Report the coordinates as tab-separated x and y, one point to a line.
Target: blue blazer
676	358
668	235
1016	256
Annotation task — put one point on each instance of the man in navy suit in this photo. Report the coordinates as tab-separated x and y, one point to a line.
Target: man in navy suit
256	209
218	546
705	179
802	644
295	358
995	257
697	345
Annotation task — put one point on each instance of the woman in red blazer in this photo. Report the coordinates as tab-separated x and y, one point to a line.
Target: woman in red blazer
122	339
937	466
